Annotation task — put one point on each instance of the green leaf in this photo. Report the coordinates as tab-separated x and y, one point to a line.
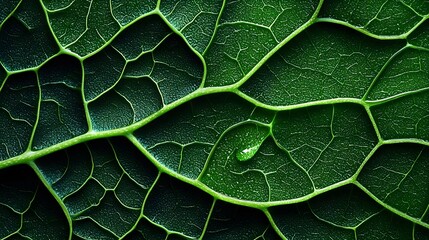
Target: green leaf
404	166
326	62
26	39
27	209
382	18
214	119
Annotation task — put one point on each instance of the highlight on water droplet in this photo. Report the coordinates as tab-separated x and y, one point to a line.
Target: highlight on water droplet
247	153
246	140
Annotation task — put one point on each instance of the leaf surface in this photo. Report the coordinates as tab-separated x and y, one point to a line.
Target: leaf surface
214	119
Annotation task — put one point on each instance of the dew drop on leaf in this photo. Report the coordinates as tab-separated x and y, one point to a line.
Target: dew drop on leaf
247	153
248	138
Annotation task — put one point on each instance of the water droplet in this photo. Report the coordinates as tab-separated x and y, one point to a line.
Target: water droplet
247	153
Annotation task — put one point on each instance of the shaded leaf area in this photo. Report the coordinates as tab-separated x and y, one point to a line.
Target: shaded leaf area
196	20
25	38
42	108
103	185
50	97
175	210
122	84
420	36
85	27
148	230
61	114
324	62
148	67
247	32
377	16
229	221
244	152
420	233
7	8
3	75
18	107
27	209
344	213
397	175
178	207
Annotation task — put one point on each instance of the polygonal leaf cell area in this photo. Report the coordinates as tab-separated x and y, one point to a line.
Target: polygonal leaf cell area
214	119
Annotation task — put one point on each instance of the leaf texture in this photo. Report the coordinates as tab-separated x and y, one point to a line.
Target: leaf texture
214	119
